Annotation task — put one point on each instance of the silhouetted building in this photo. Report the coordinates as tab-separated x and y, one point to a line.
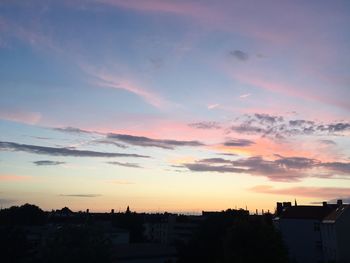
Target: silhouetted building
314	233
170	228
335	232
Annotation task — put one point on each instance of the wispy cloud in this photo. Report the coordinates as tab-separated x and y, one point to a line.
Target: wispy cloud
238	143
205	125
307	93
213	106
239	55
186	8
108	141
21	116
129	165
47	162
81	195
149	142
113	80
246	95
286	169
61	151
120	140
73	130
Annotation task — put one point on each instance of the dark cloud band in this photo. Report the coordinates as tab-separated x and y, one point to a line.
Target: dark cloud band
148	142
47	162
281	169
56	151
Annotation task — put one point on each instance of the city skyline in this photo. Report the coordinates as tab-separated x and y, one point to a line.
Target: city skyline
177	106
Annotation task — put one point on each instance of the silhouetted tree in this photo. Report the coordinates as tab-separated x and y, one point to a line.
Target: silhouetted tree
253	241
234	237
26	214
75	244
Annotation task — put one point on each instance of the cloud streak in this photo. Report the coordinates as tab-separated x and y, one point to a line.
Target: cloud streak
129	165
205	125
61	151
149	142
81	195
21	116
238	143
73	130
47	163
239	55
110	80
285	169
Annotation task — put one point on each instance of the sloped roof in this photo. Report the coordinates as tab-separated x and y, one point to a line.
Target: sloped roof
306	212
335	214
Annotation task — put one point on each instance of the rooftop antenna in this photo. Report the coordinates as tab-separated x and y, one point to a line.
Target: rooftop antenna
295	202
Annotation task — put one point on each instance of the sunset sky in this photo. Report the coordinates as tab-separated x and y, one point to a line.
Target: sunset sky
177	106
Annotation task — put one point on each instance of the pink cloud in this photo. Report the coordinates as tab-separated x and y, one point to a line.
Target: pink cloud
108	79
311	192
31	33
243	96
232	17
21	116
296	91
165	129
213	106
180	8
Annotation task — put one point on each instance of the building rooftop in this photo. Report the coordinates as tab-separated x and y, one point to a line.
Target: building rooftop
335	214
307	212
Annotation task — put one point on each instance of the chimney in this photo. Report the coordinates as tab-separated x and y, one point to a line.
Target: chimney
287	204
279	208
324	204
87	211
112	211
339	202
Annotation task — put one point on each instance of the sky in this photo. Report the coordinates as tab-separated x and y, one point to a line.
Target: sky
177	106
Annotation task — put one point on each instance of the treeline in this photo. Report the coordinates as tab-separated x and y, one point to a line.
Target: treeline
28	234
231	237
23	215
